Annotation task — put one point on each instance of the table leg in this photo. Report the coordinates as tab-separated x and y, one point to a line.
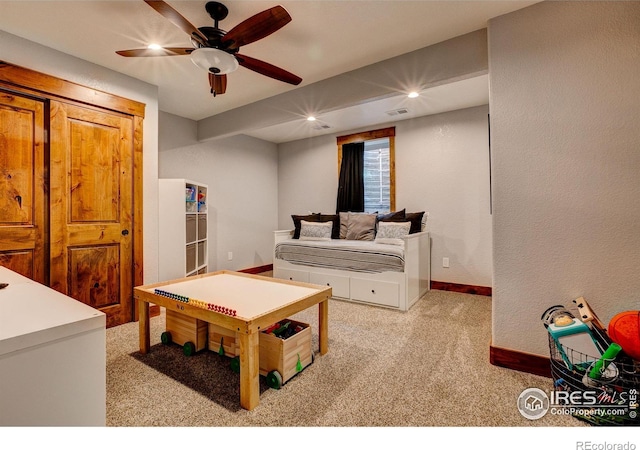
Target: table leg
249	370
323	326
143	318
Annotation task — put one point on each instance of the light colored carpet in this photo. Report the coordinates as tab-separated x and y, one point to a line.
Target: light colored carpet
428	367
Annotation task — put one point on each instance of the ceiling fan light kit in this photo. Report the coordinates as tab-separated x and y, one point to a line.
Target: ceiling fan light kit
213	60
216	50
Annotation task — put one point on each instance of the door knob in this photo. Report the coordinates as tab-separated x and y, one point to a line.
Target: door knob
125	232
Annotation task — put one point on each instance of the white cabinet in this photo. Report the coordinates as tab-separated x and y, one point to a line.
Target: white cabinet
52	357
378	292
339	284
182	229
292	275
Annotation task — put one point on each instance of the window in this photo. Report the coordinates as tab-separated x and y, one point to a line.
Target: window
379	165
377	176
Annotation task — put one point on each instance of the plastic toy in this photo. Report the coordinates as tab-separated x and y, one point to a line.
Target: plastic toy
584	358
553	312
603	369
586	314
608	356
574	335
624	329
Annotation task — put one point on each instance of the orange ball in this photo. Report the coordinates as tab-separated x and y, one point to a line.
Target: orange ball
624	330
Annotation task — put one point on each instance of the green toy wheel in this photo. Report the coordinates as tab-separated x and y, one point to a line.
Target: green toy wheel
274	379
188	348
235	364
165	338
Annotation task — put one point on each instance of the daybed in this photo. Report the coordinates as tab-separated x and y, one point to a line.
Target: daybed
392	273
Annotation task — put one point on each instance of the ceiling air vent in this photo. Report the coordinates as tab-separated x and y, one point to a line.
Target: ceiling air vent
397	112
321	127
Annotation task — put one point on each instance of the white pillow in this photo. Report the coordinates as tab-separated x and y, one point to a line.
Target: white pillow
392	232
315	231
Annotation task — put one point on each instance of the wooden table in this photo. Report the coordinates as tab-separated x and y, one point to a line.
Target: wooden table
253	302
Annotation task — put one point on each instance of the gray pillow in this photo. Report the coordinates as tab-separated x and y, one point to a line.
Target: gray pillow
361	226
344	221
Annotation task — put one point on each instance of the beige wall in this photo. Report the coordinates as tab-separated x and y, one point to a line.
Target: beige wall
565	141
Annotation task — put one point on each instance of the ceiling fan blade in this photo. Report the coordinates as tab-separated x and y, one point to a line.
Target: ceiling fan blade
218	84
178	20
171	51
267	69
257	27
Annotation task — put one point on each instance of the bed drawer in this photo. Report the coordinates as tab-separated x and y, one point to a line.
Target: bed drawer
339	284
292	274
379	292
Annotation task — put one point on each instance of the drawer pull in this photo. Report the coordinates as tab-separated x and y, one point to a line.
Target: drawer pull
290	278
373	291
328	284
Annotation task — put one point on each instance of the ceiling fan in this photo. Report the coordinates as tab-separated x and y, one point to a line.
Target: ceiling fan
216	50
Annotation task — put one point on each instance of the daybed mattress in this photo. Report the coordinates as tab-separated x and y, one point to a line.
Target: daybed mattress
342	254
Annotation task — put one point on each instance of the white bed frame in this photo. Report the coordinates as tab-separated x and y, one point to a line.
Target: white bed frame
397	290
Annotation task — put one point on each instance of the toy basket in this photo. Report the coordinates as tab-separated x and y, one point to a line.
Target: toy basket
616	394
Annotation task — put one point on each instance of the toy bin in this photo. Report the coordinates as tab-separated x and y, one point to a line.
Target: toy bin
223	341
281	359
187	331
617	389
285	349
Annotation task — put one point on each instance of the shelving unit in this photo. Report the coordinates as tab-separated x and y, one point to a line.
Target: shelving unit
182	228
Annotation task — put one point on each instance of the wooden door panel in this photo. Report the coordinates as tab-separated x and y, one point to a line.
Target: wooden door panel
94	193
94	275
91	208
22	188
18	261
16	164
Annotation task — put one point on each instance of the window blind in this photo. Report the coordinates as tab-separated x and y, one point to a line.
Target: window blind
377	176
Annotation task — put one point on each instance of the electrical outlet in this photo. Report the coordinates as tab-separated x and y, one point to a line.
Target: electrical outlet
445	262
230	256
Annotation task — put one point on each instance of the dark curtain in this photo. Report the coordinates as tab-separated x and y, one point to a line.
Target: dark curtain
351	182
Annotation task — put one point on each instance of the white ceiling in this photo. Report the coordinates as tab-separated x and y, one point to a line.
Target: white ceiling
448	97
324	39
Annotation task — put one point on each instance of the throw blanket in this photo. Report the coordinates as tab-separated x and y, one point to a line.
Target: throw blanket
342	254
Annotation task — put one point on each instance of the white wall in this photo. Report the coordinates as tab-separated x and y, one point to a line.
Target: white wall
442	166
565	103
176	131
33	56
242	177
307	178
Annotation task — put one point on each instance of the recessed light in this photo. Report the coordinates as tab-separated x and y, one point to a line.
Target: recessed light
413	94
154	47
311	119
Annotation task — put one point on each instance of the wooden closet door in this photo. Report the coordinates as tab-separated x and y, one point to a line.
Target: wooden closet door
22	188
91	208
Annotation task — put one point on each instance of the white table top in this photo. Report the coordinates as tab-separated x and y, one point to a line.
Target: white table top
32	314
250	297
